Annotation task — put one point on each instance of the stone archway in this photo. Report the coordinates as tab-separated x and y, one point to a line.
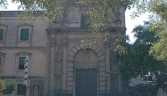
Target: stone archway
86	73
83	46
86	59
97	63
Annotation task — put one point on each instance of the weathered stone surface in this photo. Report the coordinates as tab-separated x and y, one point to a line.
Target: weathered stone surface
97	50
71	53
49	64
69	79
102	69
102	73
70	57
70	65
69	83
102	79
69	87
102	83
69	73
77	47
100	53
94	47
102	87
74	50
102	58
69	69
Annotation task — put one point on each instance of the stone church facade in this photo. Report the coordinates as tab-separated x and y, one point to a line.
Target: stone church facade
59	64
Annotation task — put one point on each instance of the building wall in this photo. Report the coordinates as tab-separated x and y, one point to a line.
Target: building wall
55	51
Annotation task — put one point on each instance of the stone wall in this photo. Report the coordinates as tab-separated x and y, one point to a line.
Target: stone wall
56	51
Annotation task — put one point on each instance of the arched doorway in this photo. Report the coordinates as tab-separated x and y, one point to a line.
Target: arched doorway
86	74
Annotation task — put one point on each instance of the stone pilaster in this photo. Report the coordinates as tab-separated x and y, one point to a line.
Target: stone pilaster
64	72
114	67
102	77
119	77
51	78
70	77
107	49
58	67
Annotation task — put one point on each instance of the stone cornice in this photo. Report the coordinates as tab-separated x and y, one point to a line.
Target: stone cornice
57	30
62	30
24	48
25	24
3	25
23	53
2	54
15	13
14	77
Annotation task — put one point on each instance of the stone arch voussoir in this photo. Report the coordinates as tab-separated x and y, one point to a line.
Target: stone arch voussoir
82	46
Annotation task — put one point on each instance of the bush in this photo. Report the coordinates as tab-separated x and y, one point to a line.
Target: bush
143	90
9	87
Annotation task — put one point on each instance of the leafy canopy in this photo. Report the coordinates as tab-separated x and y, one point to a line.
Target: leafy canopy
7	86
98	11
137	62
158	22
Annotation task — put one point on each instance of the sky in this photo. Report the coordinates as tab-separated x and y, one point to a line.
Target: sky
130	23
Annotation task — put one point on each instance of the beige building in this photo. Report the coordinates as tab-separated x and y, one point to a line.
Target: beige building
59	64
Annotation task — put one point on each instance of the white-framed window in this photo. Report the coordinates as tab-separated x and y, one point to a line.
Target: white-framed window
20	60
25	33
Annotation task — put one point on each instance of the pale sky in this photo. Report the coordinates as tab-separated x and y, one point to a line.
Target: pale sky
130	23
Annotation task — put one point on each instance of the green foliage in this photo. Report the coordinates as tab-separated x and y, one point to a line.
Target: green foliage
99	11
119	46
158	50
138	62
9	87
158	21
2	85
143	90
3	4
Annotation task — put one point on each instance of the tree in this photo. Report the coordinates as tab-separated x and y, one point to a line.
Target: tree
158	22
137	62
7	86
2	85
143	90
98	11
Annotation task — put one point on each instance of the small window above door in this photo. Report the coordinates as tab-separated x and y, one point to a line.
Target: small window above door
84	23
